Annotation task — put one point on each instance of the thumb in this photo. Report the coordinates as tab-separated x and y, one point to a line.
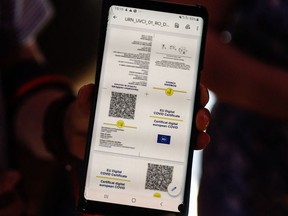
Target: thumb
84	98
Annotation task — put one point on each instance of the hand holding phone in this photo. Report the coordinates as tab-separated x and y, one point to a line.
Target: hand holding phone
142	132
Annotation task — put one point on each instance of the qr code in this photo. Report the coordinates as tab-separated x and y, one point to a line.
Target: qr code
158	177
122	105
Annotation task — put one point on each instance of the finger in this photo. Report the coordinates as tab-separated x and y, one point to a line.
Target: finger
203	139
77	145
204	95
78	121
76	129
203	119
84	98
79	112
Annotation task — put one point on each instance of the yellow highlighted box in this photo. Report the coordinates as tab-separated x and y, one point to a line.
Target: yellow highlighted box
113	179
165	118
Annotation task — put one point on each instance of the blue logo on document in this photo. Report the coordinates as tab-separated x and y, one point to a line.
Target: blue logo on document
163	139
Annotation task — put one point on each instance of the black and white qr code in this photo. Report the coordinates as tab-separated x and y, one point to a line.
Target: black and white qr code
122	105
158	177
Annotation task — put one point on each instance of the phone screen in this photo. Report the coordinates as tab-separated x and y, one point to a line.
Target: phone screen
143	119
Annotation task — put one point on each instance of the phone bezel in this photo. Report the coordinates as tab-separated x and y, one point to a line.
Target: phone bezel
88	206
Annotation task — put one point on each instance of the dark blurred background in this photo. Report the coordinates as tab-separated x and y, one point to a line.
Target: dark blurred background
69	40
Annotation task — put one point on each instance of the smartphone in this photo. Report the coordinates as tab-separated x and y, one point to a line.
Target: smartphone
142	131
